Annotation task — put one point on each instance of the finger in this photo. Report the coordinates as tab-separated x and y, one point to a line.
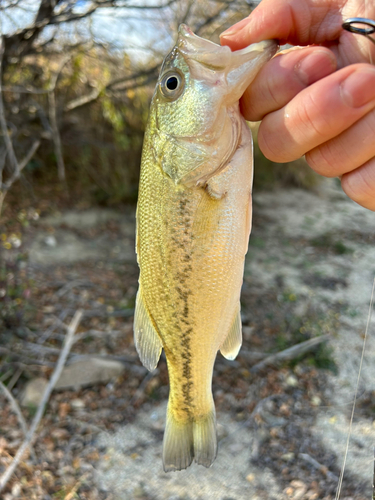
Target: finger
346	152
318	113
359	185
299	22
283	78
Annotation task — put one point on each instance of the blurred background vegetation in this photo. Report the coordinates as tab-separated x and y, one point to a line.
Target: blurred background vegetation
78	77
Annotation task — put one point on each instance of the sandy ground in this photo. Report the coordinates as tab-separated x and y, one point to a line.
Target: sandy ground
320	246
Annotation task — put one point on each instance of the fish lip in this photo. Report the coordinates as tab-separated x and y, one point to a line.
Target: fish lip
185	31
184	28
193	47
188	40
198	52
271	46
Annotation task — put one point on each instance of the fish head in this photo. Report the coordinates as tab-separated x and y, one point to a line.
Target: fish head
195	113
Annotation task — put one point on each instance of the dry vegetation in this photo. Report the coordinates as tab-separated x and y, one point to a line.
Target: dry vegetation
72	113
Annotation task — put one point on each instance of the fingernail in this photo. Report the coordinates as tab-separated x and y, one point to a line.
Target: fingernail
359	87
315	66
235	28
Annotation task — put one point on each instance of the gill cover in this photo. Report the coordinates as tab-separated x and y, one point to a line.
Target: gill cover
195	105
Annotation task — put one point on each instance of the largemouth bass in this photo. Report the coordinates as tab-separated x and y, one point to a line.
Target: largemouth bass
193	227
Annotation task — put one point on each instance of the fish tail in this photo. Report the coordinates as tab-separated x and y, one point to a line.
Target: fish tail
183	441
205	440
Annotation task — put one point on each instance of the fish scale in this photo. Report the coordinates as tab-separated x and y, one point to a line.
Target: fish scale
193	226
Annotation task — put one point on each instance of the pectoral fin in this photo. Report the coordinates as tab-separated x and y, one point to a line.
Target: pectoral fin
146	338
232	343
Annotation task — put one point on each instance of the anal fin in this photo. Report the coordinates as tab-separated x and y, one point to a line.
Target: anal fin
232	344
146	338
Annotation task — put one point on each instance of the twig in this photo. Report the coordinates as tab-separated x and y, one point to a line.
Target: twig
16	167
3	123
82	424
122	83
17	410
72	284
14	379
6	375
15	407
24	359
20	166
38	349
323	468
138	393
29	155
131	363
51	384
97	333
56	135
72	492
290	353
85	99
252	356
53	120
45	335
101	312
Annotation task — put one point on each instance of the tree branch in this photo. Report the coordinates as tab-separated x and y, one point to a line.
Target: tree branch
47	393
3	124
113	85
56	135
291	353
15	407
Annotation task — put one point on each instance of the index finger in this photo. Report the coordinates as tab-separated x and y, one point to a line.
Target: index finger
298	22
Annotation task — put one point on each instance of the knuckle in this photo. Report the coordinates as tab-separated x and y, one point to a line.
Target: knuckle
270	145
359	185
312	123
324	160
369	124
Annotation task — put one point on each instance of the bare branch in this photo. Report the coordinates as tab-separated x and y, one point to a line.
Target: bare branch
136	76
12	382
10	5
116	84
47	393
56	135
3	123
17	410
69	16
20	166
150	7
15	407
291	353
41	349
83	100
6	375
140	391
22	359
29	155
53	120
322	468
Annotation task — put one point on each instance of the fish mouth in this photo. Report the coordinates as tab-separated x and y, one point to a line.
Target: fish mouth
222	76
240	67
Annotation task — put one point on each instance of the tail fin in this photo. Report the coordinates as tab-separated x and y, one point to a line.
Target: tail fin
192	439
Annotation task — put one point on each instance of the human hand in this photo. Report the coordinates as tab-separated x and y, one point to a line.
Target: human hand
317	101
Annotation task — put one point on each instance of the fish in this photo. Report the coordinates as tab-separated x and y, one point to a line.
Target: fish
193	223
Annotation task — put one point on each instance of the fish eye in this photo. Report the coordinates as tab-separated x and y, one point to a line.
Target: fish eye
171	85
